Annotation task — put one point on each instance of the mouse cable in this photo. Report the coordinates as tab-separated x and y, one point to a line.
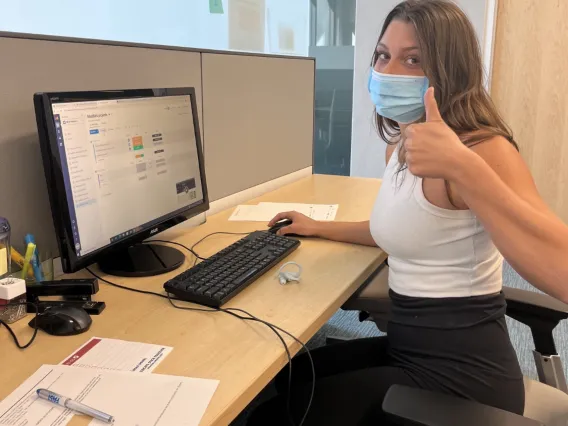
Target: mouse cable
192	249
304	347
250	317
177	244
218	233
14	337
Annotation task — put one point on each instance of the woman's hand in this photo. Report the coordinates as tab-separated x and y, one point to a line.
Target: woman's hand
301	224
433	150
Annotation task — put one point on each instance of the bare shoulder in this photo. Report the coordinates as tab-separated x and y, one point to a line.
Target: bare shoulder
507	162
389	151
498	152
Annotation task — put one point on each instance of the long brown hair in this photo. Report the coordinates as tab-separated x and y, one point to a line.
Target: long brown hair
451	60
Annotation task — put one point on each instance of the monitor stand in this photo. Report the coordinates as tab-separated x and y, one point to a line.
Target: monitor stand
142	260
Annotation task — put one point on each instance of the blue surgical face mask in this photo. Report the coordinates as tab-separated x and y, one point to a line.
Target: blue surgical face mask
398	97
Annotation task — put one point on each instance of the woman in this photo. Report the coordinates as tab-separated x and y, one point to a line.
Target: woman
454	187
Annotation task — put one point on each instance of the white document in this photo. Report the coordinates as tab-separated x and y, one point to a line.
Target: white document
264	212
118	355
133	399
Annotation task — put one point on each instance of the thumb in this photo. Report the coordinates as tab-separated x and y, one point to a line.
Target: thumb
431	106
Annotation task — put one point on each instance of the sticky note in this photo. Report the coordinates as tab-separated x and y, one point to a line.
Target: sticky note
3	261
216	6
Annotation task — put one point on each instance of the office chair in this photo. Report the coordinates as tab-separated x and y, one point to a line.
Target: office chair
546	401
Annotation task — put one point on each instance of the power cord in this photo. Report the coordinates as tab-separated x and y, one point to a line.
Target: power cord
304	347
274	328
14	337
251	318
136	290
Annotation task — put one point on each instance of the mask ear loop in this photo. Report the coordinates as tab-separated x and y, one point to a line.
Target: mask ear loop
286	277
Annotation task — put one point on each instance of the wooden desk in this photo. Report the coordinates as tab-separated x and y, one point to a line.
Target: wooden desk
244	356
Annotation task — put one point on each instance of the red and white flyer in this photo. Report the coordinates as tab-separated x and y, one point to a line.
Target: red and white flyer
118	355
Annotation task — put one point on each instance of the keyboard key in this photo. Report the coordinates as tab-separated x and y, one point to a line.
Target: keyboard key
245	276
201	290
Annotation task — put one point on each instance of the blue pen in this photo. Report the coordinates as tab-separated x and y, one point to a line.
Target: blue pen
38	274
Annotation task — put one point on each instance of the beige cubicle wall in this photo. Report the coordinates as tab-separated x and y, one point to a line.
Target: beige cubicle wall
258	119
531	90
30	66
250	117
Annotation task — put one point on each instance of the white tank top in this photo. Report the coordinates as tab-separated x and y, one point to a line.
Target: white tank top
433	252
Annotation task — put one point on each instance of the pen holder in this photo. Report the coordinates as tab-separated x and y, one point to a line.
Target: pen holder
45	261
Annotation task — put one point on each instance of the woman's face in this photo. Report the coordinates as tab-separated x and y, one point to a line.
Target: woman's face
398	52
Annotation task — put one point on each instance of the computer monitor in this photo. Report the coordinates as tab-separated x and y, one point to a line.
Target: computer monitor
121	166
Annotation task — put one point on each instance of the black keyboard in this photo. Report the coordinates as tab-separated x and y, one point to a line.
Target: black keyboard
218	279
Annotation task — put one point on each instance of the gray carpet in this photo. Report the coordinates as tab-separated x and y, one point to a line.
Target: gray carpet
346	325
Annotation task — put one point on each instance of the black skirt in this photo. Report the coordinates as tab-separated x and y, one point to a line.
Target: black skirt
456	346
459	346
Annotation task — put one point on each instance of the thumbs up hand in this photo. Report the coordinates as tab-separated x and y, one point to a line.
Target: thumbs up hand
433	150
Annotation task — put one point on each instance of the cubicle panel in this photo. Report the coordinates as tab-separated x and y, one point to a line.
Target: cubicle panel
30	66
258	116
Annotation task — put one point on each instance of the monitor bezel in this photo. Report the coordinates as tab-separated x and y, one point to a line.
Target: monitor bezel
52	164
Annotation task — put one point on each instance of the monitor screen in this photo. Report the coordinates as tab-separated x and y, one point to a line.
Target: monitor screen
119	165
129	163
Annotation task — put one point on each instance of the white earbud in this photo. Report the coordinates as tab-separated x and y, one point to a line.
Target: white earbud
286	277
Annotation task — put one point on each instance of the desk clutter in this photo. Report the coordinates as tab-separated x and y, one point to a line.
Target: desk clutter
147	179
22	291
109	380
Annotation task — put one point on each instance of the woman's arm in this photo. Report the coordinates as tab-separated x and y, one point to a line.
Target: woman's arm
496	185
532	239
348	232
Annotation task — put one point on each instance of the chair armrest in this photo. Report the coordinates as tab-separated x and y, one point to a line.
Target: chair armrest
537	304
540	312
425	408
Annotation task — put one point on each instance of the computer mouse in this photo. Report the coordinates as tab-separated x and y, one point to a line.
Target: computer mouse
278	225
284	222
62	321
